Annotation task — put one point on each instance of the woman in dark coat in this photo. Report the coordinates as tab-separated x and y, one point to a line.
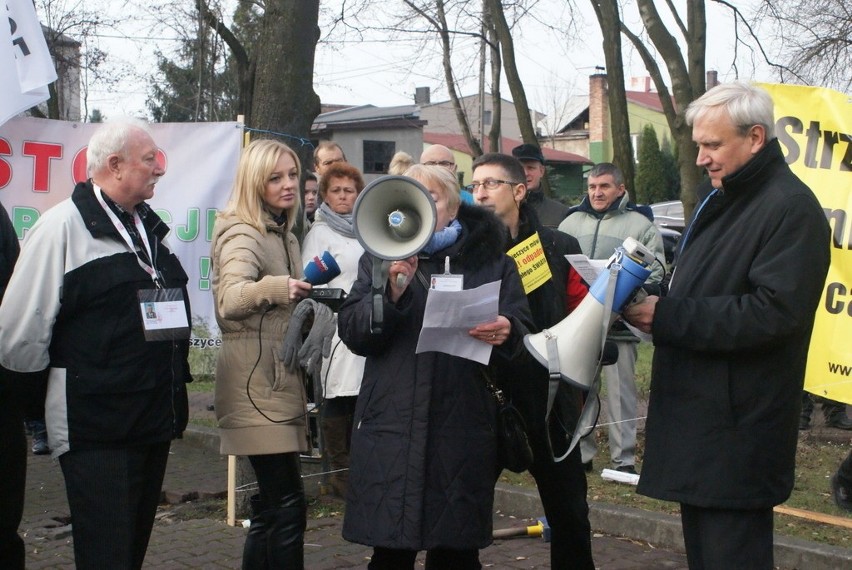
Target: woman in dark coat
424	455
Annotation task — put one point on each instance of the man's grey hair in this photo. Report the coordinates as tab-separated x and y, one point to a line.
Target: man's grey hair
604	168
109	139
747	105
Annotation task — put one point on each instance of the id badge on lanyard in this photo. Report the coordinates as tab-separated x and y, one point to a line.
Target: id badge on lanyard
446	281
163	314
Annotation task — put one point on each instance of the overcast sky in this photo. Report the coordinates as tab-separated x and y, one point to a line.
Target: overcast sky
553	66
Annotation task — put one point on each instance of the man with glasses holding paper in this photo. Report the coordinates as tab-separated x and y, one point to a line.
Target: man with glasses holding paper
553	289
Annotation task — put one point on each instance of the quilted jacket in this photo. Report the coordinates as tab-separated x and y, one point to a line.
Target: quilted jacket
423	461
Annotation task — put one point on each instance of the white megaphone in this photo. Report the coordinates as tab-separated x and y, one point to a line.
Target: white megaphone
572	348
394	218
579	337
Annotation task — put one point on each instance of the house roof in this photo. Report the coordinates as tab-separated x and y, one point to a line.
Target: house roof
363	116
458	143
368	113
647	99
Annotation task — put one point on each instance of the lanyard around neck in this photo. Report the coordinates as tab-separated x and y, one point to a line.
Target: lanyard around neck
128	241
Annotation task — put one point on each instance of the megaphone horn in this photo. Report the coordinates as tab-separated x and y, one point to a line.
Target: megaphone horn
394	217
579	335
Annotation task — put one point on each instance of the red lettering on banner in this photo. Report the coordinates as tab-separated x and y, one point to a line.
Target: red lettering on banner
78	166
42	154
5	167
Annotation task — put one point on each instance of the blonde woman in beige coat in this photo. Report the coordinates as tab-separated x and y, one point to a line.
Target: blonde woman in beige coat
260	405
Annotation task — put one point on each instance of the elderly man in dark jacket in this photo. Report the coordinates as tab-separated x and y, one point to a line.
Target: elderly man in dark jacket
424	453
732	337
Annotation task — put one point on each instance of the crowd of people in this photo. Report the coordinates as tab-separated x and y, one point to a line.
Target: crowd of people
411	435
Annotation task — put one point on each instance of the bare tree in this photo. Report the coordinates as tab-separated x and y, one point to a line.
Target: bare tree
687	74
815	38
69	28
274	65
439	22
609	19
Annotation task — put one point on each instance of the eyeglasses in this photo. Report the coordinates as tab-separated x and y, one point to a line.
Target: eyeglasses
488	183
444	163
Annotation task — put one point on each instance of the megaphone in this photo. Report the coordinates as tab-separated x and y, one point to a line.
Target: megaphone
579	337
394	218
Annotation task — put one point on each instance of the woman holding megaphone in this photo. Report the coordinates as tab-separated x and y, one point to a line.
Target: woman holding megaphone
424	448
260	404
341	373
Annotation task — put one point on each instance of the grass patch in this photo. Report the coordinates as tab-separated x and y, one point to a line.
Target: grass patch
202	383
816	462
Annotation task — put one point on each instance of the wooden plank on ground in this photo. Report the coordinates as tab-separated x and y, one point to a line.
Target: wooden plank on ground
812	516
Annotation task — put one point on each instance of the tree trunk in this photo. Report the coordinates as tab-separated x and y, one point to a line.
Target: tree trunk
622	150
494	134
283	99
516	87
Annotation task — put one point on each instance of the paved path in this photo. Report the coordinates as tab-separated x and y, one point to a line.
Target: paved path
193	534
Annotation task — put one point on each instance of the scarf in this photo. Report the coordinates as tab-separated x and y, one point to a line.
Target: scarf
340	223
444	238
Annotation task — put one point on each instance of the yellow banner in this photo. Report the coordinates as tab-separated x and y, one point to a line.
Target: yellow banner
531	262
814	126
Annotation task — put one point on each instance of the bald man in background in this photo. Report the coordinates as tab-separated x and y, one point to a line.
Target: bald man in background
439	155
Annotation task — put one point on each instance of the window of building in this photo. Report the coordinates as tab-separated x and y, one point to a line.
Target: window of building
486	117
377	156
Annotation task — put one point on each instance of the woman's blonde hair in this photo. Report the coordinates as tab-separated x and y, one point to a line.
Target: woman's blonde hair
442	178
257	163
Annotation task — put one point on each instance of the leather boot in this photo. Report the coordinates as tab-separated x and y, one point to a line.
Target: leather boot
335	437
255	549
286	534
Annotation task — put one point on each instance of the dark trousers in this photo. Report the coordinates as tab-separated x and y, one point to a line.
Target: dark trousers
113	495
13	474
438	559
561	486
727	539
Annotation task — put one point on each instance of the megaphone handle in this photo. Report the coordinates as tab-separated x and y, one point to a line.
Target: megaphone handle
378	289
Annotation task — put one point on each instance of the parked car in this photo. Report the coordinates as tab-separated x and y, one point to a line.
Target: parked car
669	215
670	241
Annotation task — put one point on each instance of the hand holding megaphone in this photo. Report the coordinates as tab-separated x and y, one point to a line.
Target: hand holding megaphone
399	276
321	269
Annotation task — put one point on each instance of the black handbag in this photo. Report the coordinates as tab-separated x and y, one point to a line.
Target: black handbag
513	447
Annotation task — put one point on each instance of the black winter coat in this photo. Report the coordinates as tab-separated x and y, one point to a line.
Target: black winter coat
525	380
731	342
423	459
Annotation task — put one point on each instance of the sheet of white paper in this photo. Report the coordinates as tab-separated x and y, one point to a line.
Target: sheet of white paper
451	314
589	269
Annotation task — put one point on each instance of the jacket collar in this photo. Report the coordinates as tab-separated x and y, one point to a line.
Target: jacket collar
97	221
756	171
617	207
481	241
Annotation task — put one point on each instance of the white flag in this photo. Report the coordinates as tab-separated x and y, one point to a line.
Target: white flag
26	68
